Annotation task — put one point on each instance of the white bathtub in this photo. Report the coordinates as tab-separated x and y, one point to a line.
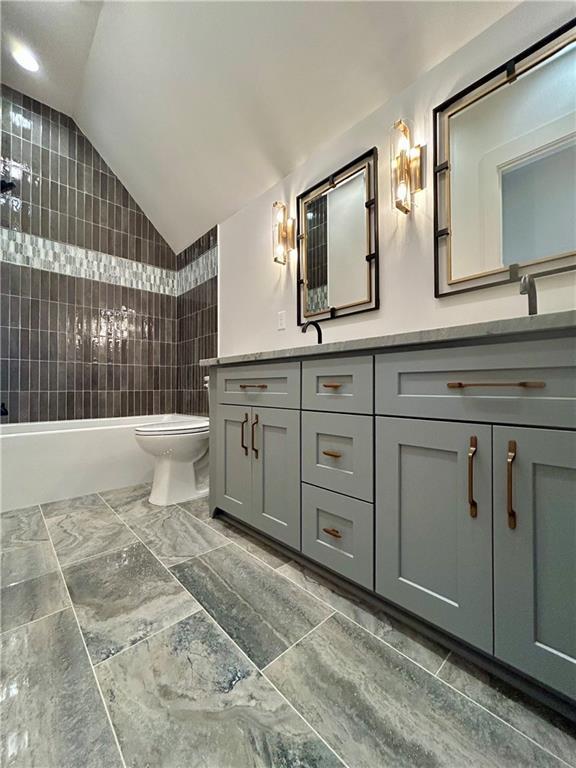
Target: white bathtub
52	460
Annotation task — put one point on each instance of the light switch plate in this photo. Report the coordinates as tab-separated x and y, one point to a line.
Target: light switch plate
282	320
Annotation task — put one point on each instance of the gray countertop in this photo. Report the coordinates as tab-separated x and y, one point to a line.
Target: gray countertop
552	322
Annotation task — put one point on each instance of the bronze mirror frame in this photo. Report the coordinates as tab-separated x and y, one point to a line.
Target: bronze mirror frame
444	283
369	161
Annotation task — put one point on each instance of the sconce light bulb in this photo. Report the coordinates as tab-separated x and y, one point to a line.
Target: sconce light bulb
279	250
402	191
280	216
403	144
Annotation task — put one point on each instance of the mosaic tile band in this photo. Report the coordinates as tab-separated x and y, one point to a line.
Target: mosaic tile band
41	253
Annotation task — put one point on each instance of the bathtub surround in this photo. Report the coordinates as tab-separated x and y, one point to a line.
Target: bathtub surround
64	189
90	292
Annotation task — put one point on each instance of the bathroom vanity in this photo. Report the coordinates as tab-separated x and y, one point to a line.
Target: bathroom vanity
434	469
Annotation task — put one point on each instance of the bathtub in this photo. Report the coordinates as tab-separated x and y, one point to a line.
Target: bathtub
52	460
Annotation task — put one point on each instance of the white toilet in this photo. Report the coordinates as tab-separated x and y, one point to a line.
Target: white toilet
178	443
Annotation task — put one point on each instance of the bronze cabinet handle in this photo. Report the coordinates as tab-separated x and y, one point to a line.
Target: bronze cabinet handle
521	384
254	449
332	385
333	454
334	532
472	448
253	386
509	484
242	443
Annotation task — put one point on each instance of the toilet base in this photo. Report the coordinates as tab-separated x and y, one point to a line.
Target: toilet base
175	482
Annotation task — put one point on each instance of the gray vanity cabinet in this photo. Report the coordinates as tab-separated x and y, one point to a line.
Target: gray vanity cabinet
258	469
535	561
434	523
233	489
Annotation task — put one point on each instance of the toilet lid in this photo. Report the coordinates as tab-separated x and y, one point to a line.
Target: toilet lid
174	427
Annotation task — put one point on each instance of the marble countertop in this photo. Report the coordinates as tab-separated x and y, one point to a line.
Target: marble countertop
554	321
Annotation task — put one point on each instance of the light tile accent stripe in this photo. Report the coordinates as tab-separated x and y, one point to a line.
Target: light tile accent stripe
38	252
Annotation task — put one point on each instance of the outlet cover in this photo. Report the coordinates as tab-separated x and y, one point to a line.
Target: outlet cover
282	320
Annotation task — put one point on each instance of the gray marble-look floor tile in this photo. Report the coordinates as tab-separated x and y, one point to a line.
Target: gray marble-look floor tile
263	612
419	648
27	562
84	527
376	708
22	527
170	532
53	716
187	697
122	597
124	499
250	543
29	600
554	732
199	508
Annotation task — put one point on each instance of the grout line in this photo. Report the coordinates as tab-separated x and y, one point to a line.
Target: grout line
442	665
100	554
199	608
335	611
34	621
324	620
200	554
84	644
433	674
235	644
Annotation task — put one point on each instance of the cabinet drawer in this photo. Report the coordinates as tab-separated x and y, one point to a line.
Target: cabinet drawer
528	382
276	385
337	453
338	533
344	385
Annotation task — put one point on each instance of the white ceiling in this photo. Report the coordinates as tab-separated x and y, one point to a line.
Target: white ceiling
200	106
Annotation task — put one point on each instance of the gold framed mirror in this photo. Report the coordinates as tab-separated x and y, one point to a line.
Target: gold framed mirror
505	171
338	243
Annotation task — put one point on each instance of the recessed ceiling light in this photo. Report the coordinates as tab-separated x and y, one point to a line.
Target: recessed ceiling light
25	58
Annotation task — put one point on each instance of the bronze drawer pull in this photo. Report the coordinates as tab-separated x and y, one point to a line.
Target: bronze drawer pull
254	449
472	504
333	454
242	443
334	532
521	384
332	385
509	484
253	386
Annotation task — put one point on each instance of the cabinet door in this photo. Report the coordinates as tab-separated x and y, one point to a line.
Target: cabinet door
434	523
535	562
275	449
233	461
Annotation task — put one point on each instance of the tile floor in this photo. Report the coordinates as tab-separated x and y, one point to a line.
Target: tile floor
141	636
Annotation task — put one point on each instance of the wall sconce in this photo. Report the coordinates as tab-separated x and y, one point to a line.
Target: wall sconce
283	233
406	165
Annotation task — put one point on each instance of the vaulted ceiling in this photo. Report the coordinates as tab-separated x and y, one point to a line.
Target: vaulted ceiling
200	106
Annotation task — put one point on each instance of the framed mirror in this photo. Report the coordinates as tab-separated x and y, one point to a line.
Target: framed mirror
505	171
338	243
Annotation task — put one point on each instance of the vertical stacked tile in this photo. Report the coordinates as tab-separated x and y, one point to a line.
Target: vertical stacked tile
197	313
87	284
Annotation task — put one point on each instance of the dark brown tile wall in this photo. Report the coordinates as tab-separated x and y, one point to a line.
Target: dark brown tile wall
65	191
197	313
72	348
198	247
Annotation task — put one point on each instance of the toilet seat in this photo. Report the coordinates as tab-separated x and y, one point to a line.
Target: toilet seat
197	427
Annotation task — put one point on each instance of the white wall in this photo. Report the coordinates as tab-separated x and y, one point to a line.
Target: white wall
253	289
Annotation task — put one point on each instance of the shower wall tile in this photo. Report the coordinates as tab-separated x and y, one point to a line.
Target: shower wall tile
73	348
197	320
64	189
98	316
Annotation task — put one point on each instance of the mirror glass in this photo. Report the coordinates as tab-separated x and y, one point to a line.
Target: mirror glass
335	238
506	192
